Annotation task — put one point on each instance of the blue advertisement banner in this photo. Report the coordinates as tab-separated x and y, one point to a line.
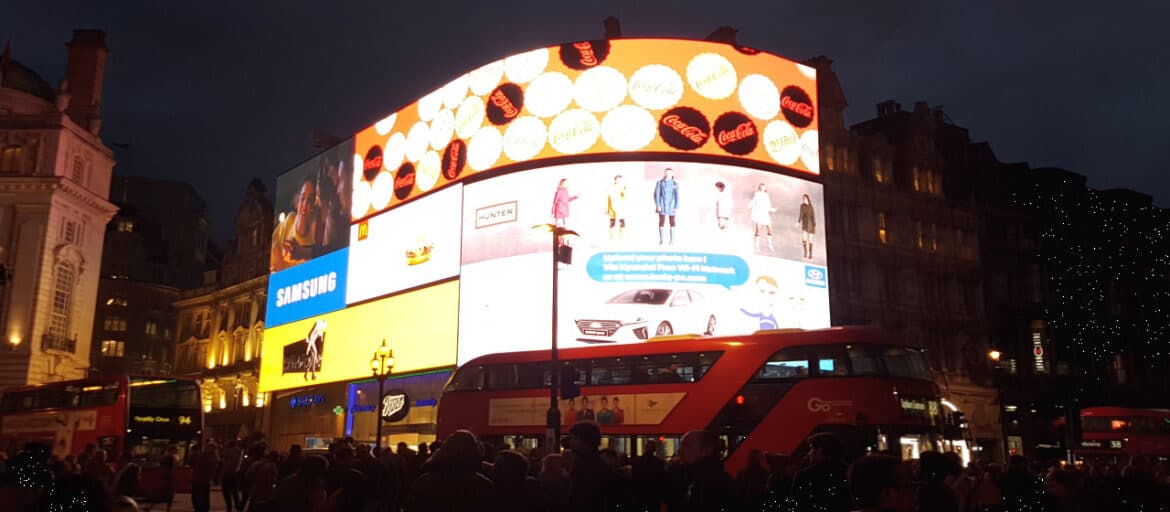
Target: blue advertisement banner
312	288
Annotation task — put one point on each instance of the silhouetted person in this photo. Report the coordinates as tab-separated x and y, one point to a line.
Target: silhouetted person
590	476
648	473
453	482
933	492
821	487
752	481
304	491
875	482
515	490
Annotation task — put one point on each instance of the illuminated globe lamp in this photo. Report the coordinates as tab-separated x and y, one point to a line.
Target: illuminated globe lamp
382	364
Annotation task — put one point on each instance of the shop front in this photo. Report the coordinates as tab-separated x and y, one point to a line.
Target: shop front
419	394
311	417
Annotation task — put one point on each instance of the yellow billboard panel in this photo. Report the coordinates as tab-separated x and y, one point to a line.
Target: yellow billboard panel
337	346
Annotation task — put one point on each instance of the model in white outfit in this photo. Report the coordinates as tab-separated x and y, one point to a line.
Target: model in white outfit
761	213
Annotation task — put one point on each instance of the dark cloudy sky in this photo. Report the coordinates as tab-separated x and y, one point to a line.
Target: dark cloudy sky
216	93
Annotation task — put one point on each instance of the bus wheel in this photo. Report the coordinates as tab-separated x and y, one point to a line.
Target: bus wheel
664	329
710	326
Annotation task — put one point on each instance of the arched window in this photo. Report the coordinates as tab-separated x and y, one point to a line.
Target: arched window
59	315
11	159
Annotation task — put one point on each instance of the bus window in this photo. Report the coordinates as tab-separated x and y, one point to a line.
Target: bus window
609	372
790	363
100	394
467	378
501	376
906	363
863	360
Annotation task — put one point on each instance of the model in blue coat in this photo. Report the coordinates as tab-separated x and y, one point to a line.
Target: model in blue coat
666	203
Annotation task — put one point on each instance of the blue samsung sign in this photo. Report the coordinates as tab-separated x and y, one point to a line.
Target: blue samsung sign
309	289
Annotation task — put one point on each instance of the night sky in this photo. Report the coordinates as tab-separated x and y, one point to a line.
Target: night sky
216	93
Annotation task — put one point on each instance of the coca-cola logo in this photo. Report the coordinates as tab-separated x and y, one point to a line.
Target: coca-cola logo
454	158
736	133
372	163
584	54
404	181
684	128
504	103
796	106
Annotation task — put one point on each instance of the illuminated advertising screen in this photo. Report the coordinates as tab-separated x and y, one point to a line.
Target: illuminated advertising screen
337	346
663	248
592	98
312	205
405	247
689	170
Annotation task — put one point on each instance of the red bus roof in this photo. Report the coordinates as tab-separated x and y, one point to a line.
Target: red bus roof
91	380
1125	411
694	343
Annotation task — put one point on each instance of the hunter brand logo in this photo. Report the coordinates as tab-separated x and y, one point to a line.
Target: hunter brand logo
305	355
684	128
736	134
504	103
495	214
796	106
584	54
395	405
454	158
404	181
372	163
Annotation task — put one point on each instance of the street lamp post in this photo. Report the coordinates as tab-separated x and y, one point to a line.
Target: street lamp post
553	418
995	355
381	365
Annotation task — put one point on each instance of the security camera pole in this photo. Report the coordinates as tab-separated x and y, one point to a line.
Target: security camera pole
553	425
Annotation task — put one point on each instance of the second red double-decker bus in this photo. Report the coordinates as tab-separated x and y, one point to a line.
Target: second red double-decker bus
1123	432
767	391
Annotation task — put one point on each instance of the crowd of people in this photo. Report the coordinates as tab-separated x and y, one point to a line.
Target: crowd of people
461	473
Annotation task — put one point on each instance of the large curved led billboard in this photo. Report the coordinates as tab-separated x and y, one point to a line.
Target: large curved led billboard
689	169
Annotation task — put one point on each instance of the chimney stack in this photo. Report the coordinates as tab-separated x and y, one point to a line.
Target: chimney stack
723	34
85	72
613	28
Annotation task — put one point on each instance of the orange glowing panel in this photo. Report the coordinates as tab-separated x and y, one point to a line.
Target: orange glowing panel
592	98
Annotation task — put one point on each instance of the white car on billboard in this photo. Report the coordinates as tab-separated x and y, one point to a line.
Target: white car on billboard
636	315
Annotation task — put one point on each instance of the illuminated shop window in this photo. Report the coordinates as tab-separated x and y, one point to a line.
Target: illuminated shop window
882	226
113	348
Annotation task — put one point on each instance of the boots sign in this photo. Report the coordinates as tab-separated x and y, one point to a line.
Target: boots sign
395	405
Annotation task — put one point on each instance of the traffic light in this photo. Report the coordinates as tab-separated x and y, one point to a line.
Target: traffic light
569	387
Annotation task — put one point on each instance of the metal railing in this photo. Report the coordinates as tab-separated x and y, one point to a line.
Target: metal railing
57	342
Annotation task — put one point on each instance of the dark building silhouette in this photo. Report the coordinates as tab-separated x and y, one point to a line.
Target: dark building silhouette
154	247
221	324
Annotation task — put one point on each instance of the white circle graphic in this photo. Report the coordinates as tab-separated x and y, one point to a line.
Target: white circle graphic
781	142
381	191
808	71
394	151
628	128
417	141
549	94
759	97
430	104
656	87
484	148
441	129
573	131
386	124
524	138
469	117
428	171
712	76
486	77
810	153
600	89
361	199
523	67
455	91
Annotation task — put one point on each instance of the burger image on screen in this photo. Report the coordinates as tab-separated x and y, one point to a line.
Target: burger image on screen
420	252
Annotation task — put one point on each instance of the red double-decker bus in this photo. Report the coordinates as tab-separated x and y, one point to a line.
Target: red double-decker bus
767	391
144	415
1123	432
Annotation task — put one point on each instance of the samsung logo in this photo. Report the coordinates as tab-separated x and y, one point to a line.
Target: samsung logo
306	289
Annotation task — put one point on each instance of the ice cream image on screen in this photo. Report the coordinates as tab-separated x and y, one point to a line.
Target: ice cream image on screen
312	357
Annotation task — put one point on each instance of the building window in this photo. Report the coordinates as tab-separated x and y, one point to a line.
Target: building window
115	324
70	233
830	160
882	228
916	178
879	171
117	301
62	300
125	226
936	184
151	328
11	159
113	348
919	235
79	171
933	237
